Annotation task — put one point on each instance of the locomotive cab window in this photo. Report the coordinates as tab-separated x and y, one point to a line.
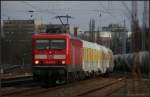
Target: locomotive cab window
51	44
58	44
42	44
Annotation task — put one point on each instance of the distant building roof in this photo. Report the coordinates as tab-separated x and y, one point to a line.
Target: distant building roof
129	34
105	34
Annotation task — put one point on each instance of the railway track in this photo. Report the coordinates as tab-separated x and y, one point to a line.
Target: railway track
16	81
13	90
32	91
79	88
92	87
105	90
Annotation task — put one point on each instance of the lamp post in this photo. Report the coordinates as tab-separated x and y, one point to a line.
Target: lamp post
23	60
99	28
1	71
31	15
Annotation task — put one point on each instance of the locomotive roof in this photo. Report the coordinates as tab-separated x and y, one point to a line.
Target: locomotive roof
47	35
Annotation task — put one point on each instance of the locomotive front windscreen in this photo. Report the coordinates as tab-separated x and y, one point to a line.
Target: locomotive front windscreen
51	44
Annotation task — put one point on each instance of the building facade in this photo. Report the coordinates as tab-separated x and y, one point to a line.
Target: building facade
119	37
16	42
105	38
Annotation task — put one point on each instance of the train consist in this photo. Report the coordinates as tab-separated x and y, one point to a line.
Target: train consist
61	57
124	62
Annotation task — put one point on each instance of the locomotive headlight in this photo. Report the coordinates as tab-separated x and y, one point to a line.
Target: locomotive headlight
63	62
36	62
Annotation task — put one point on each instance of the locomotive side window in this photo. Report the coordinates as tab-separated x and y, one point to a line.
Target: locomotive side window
58	44
42	44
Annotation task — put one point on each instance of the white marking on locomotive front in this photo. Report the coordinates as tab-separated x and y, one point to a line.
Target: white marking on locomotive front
39	56
59	56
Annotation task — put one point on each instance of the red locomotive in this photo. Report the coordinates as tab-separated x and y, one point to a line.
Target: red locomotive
61	57
55	55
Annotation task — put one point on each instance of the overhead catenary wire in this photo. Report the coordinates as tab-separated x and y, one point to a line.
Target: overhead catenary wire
58	10
8	17
36	9
52	10
127	8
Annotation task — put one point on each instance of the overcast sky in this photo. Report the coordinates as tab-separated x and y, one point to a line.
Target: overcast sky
81	11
